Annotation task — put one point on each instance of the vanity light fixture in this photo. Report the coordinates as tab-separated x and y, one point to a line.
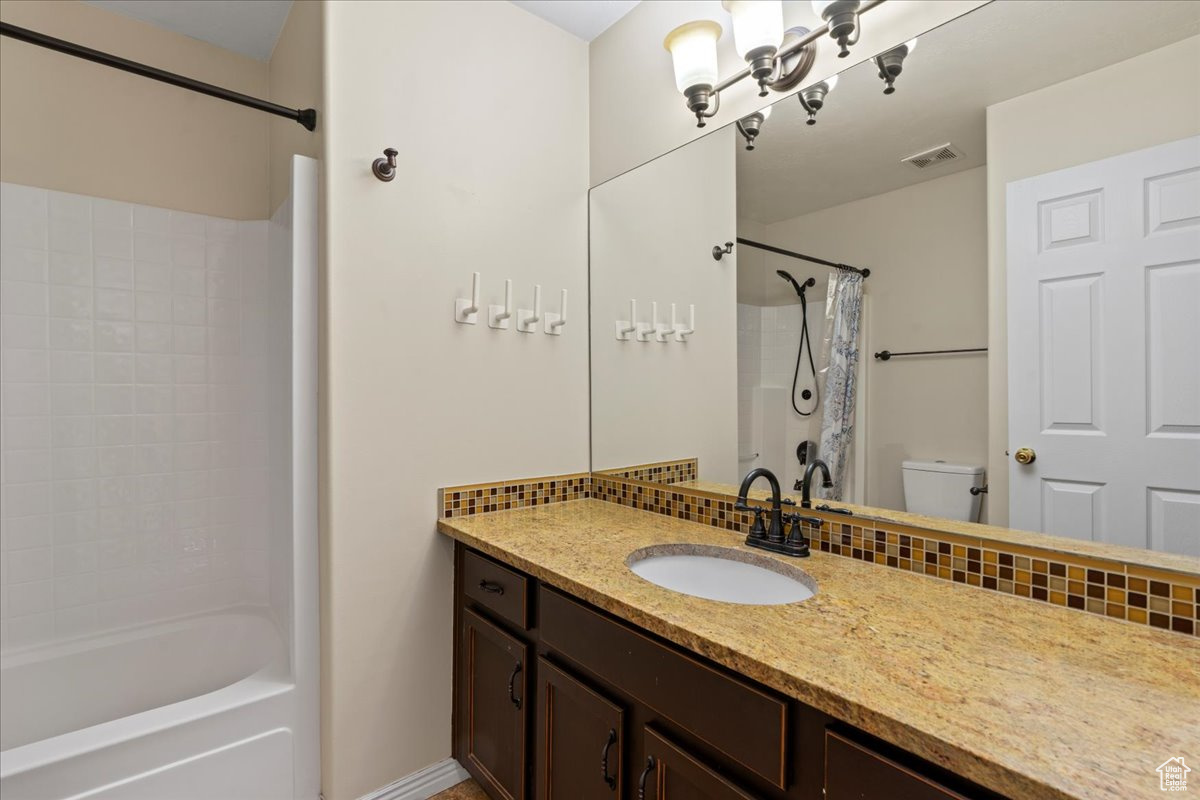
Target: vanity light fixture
757	35
813	98
751	125
891	63
693	49
778	60
841	16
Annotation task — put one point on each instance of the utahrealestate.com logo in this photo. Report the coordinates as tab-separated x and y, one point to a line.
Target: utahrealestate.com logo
1172	775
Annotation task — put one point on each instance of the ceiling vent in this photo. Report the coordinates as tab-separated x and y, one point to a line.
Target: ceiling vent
941	154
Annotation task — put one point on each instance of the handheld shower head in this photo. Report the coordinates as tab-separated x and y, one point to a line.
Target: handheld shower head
799	289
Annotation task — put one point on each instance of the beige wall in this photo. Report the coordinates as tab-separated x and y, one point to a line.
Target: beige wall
84	128
637	113
927	250
295	75
494	179
652	233
1061	126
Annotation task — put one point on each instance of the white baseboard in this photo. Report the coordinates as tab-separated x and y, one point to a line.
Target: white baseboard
422	784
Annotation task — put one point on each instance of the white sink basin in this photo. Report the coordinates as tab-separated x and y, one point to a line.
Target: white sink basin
721	573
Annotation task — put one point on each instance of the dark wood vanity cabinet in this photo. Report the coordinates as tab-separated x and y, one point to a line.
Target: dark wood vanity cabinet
557	700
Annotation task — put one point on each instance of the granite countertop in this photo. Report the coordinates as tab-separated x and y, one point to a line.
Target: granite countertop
1027	699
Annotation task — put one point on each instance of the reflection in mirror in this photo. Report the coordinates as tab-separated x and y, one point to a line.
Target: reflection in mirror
974	297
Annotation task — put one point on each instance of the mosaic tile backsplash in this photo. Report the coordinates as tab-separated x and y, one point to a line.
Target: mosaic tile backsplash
667	472
1130	592
480	498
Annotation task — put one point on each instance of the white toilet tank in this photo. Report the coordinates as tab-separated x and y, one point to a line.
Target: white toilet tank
940	489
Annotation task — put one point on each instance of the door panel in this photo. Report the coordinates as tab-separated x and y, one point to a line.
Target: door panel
1070	322
580	739
1104	349
493	693
1073	508
671	773
1173	337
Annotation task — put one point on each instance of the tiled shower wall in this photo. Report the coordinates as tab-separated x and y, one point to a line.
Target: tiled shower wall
132	415
768	337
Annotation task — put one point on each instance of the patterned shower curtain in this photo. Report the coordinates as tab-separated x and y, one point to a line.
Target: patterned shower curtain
843	311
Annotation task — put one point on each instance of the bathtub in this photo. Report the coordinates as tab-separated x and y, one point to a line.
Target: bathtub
214	720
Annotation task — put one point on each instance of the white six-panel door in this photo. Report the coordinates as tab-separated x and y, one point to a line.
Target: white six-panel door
1104	349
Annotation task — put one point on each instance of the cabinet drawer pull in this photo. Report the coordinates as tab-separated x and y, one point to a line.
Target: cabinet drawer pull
491	586
512	679
650	765
609	780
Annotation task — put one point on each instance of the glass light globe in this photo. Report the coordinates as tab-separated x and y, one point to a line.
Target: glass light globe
819	6
766	113
831	82
757	25
693	49
911	44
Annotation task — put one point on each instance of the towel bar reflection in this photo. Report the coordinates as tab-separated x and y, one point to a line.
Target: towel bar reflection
887	355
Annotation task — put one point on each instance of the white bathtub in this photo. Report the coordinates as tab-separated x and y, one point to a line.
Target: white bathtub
213	719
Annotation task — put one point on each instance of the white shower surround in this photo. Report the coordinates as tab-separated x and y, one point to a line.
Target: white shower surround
140	456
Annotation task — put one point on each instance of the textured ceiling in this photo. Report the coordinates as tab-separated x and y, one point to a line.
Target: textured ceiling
587	19
1000	51
249	27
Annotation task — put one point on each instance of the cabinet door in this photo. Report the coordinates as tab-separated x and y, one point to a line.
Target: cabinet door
580	736
493	707
855	772
667	772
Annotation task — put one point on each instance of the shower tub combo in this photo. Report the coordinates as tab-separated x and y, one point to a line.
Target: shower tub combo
197	700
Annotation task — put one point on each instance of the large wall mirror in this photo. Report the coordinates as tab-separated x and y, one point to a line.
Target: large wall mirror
1025	350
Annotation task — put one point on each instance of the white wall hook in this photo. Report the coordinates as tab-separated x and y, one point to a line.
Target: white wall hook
626	327
466	308
527	320
555	322
662	331
645	330
498	316
681	334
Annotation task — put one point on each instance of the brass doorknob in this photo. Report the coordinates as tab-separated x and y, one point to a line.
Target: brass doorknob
1025	455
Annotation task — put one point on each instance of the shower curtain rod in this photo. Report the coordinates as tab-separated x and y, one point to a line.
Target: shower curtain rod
305	116
866	273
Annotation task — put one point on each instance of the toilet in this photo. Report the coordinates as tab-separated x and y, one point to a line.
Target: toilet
942	489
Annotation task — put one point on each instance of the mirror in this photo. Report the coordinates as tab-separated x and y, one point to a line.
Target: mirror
1027	203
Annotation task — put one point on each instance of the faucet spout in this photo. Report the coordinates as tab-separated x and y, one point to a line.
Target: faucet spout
806	491
775	533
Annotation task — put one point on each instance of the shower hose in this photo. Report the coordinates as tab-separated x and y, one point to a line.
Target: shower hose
805	339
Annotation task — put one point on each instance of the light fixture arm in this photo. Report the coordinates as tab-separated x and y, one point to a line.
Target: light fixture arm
795	47
713	107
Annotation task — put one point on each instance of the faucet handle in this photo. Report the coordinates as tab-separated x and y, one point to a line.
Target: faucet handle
787	501
757	529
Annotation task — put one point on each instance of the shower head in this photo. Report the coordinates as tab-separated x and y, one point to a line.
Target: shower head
799	289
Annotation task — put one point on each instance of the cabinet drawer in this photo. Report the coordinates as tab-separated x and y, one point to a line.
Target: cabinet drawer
744	722
496	587
856	772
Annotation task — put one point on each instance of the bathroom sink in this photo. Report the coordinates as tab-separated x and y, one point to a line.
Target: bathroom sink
721	573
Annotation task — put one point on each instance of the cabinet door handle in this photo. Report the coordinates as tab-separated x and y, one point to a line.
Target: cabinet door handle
491	586
512	679
650	765
609	780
